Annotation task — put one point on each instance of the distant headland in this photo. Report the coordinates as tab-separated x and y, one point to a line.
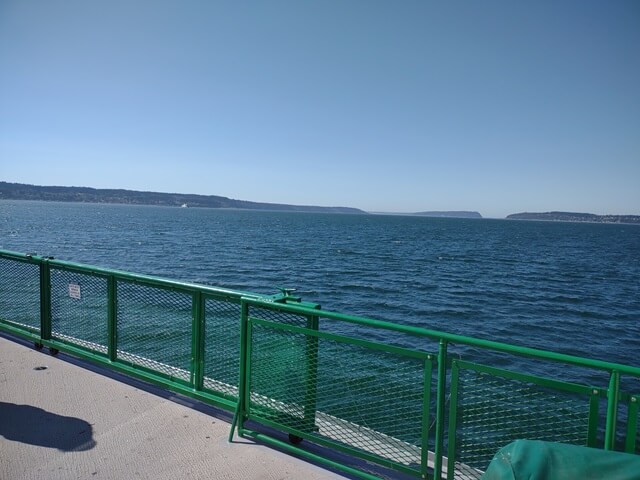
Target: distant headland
19	191
575	217
450	214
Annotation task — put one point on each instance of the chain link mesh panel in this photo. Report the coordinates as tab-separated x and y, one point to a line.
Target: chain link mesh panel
630	410
493	411
361	398
279	316
222	347
154	328
20	293
628	416
79	309
637	449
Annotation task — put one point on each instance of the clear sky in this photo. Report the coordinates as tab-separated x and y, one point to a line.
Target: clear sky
398	106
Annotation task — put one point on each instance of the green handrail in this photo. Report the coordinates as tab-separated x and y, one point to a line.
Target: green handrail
452	338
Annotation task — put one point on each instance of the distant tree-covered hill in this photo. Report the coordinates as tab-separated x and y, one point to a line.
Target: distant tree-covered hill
575	217
19	191
451	214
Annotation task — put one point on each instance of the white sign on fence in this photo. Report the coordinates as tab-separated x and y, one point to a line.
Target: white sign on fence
74	291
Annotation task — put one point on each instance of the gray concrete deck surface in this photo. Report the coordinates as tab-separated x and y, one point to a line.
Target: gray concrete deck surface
69	422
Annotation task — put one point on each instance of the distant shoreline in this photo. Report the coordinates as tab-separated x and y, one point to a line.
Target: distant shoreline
449	214
26	192
573	217
19	191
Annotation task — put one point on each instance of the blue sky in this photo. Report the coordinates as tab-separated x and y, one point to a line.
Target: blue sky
395	106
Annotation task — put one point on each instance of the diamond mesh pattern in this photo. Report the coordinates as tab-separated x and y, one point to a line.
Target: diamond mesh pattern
154	328
494	411
625	416
637	450
365	399
20	293
79	309
222	347
277	316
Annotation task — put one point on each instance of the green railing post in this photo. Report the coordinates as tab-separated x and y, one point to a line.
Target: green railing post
112	320
197	341
594	416
440	408
45	300
613	395
632	424
426	408
453	421
311	380
243	380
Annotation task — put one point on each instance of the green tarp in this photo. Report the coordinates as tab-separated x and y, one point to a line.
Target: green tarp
537	460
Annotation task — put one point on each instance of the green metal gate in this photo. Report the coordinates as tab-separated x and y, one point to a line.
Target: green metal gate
363	398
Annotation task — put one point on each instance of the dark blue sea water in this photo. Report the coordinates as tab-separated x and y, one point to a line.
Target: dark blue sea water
567	287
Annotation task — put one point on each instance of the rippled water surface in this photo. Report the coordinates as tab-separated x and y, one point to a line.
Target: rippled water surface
566	287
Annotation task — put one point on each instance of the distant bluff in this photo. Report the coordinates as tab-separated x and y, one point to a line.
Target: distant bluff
450	214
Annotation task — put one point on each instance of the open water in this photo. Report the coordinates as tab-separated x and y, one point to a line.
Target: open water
567	287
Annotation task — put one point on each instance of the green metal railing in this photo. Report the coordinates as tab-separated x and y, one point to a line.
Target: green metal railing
416	401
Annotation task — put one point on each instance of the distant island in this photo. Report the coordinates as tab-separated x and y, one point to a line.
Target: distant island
575	217
450	214
19	191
